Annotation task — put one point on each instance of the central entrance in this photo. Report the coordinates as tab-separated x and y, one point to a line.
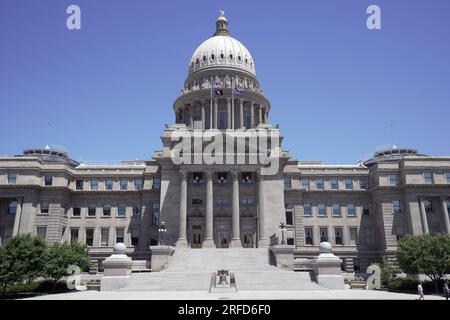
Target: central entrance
196	236
222	235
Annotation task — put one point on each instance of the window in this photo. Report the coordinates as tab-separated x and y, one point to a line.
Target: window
288	205
109	184
428	177
307	210
41	232
290	241
351	210
104	235
120	235
107	210
48	180
447	176
91	210
289	218
309	240
76	212
366	210
121	210
156	183
392	179
12	178
12	208
305	184
79	184
222	201
89	237
94	185
348	184
334	184
248	202
319	184
396	208
338	236
363	184
368	237
123	185
399	233
336	210
323	234
222	177
138	183
353	236
428	206
321	210
197	178
222	120
134	236
44	207
136	210
287	183
155	214
74	234
197	201
246	177
7	235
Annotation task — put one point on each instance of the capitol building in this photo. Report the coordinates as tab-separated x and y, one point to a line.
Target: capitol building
361	209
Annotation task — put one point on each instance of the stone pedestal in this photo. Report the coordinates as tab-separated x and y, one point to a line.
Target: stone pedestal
327	268
283	255
160	257
117	269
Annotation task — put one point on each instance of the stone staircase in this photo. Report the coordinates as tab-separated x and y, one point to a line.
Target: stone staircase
190	270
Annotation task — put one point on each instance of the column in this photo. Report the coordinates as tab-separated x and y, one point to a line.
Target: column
445	213
191	115
236	237
423	216
209	240
260	114
216	107
182	239
241	114
228	113
203	117
17	217
252	114
262	241
211	114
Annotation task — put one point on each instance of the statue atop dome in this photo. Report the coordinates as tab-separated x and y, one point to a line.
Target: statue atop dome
221	25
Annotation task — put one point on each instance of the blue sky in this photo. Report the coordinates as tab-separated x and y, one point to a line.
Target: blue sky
334	85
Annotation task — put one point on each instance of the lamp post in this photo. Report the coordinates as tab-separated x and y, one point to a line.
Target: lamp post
161	229
283	232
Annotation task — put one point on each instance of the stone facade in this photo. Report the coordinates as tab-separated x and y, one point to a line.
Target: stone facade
360	209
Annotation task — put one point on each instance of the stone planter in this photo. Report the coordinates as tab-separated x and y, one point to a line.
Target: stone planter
93	286
358	285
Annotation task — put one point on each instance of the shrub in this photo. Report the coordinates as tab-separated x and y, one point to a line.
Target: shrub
410	285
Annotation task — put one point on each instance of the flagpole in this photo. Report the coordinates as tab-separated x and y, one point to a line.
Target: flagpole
232	103
211	107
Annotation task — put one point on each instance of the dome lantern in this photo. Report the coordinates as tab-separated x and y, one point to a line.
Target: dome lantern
221	25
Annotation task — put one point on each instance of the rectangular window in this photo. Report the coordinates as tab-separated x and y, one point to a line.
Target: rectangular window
121	210
321	210
222	120
48	180
287	183
197	201
392	179
428	206
91	210
289	218
74	234
307	210
89	237
305	184
45	207
120	235
41	232
222	177
334	184
309	239
136	210
353	236
399	233
156	183
7	235
338	236
363	184
123	185
348	184
134	236
94	185
336	210
396	208
104	235
107	210
323	234
12	208
138	184
155	214
222	201
447	176
197	178
246	177
79	184
12	178
109	184
319	184
248	202
288	205
366	210
368	237
290	241
351	210
428	177
76	212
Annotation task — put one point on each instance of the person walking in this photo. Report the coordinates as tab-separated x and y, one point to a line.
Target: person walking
446	290
420	291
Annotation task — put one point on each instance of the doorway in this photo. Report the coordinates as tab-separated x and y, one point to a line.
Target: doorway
196	235
248	239
222	239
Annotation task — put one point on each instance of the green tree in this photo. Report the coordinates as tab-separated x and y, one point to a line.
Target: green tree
61	255
427	254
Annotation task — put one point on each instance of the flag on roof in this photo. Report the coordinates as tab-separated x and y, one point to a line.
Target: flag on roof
238	90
